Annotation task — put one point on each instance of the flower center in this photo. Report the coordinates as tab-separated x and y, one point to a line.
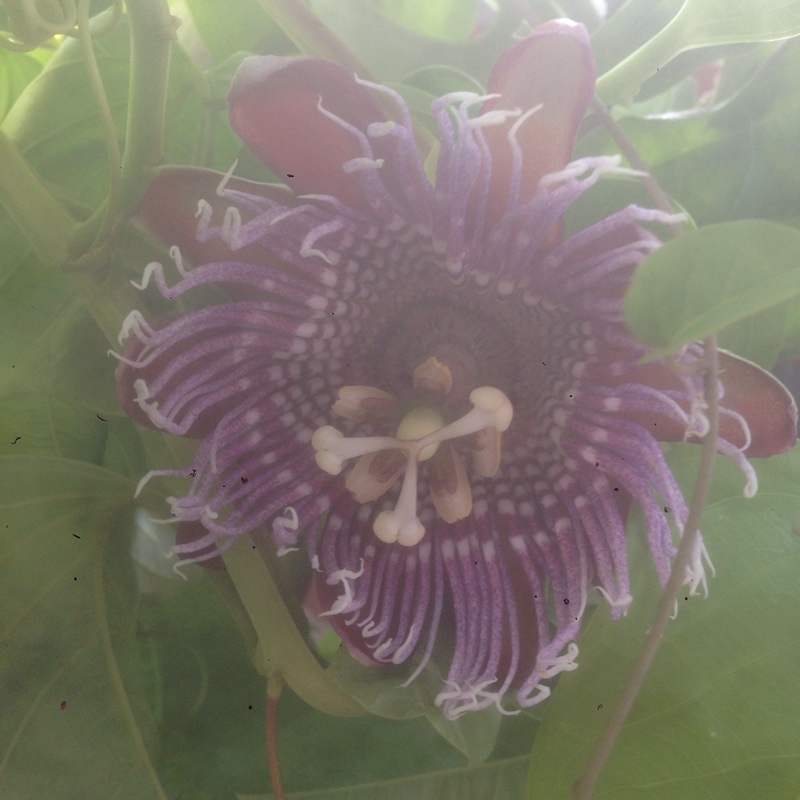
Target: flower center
422	435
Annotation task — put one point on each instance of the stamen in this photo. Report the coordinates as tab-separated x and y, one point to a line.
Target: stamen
365	403
487	452
333	448
433	376
492	409
450	489
374	474
402	525
418	438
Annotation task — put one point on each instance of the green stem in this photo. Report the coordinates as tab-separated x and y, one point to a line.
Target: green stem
621	83
281	647
584	787
152	31
628	149
106	118
43	221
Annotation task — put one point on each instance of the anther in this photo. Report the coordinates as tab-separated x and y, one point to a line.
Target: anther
365	404
402	525
433	376
333	448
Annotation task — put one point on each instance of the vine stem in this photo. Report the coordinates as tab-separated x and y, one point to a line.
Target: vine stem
274	689
628	149
152	31
113	152
584	787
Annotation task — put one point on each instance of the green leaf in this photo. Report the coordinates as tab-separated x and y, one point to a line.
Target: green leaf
17	70
707	279
500	780
731	162
717	718
50	342
365	29
452	20
75	719
34	423
55	121
226	28
701	23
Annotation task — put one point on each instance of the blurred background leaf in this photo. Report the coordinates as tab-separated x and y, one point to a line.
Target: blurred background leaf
717	718
76	715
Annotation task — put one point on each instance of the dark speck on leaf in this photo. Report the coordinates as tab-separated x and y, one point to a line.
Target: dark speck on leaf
63	705
102	419
244	480
16	440
290	175
76	536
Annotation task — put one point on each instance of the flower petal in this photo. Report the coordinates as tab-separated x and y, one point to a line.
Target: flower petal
750	391
169	211
275	108
553	67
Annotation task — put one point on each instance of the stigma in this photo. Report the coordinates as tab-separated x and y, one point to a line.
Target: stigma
422	436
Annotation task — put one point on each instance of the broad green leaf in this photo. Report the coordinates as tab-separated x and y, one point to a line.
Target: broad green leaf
55	122
366	29
629	28
452	20
17	70
76	721
50	343
500	780
226	28
717	718
707	279
56	125
701	23
733	162
35	423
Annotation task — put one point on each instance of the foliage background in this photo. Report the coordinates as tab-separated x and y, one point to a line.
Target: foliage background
118	680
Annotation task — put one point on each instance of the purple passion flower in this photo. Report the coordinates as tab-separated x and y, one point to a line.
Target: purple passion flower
421	380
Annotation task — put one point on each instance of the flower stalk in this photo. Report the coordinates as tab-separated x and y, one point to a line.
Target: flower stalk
282	649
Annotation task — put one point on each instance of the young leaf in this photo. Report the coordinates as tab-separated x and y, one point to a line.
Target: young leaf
710	278
716	719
